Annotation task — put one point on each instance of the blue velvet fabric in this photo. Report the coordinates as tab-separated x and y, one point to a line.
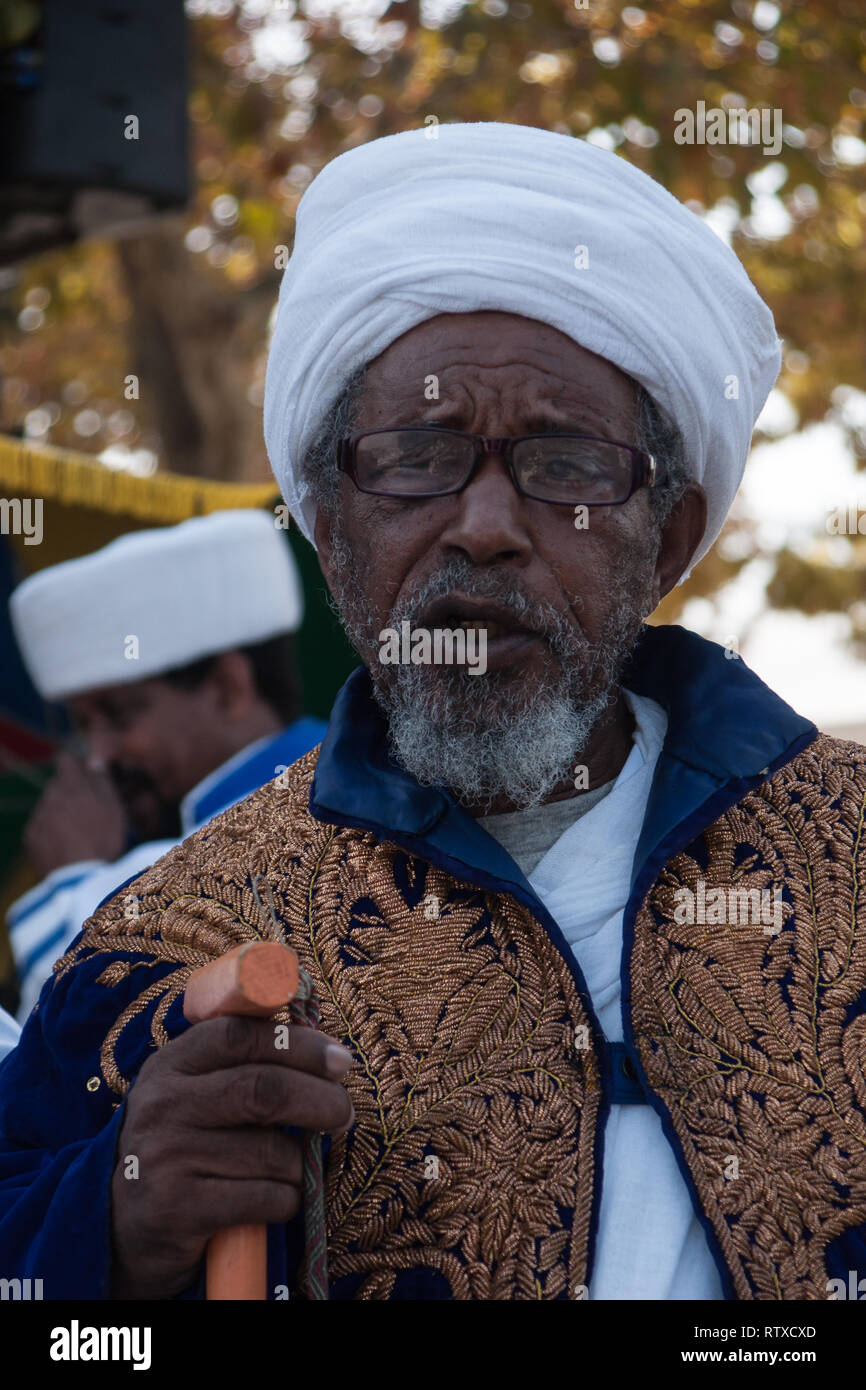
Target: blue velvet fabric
727	730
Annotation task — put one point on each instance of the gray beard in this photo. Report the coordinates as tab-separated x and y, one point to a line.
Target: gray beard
487	738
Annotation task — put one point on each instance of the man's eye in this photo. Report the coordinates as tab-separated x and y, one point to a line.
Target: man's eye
419	459
423	451
563	465
422	460
121	717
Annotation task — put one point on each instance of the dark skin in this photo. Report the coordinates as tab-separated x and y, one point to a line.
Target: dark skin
203	1120
202	1115
172	735
502	374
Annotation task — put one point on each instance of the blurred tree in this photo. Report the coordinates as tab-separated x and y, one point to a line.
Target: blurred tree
278	89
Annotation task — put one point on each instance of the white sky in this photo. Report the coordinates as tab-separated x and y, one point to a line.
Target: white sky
790	488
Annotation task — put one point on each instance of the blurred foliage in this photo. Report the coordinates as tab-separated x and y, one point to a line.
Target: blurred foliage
278	89
827	578
18	20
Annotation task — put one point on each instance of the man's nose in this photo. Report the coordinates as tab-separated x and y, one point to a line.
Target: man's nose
488	521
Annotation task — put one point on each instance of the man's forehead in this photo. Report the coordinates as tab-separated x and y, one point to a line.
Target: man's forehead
111	696
451	355
460	384
487	340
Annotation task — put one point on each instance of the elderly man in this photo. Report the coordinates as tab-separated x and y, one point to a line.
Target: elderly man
173	651
586	922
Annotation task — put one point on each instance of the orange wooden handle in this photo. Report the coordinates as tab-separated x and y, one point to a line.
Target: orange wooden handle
237	1264
254	979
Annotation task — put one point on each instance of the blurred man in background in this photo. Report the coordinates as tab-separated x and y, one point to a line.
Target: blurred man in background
173	652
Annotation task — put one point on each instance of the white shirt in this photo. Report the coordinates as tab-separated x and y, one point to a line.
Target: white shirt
650	1244
9	1033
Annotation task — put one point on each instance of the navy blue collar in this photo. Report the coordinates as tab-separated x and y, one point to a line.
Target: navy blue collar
726	730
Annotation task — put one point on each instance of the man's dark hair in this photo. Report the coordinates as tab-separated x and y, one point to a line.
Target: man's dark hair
274	672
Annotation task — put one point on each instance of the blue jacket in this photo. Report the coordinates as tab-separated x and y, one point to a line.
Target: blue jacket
727	733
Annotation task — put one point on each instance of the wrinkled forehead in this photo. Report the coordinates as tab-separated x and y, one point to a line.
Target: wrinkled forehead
493	372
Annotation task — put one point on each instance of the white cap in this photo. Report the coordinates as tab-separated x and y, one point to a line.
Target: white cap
154	600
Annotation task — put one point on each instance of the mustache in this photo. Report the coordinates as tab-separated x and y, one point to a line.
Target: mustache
497	586
151	814
131	782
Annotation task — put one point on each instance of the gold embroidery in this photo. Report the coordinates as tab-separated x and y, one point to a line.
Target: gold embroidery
114	973
462	1028
743	1033
465	1027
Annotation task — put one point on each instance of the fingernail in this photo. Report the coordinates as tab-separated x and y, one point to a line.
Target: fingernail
337	1059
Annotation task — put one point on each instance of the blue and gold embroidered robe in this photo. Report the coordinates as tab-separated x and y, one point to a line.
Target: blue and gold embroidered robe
466	1019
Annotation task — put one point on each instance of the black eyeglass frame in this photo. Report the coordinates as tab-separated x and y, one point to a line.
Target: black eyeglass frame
643	465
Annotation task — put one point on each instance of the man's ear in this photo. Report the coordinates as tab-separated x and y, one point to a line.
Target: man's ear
234	684
231	685
681	536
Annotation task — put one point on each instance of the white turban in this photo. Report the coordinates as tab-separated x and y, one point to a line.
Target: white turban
492	216
154	600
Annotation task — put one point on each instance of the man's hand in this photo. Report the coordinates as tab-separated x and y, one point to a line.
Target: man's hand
78	816
202	1119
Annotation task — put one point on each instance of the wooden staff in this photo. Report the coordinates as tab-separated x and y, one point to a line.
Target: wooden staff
254	979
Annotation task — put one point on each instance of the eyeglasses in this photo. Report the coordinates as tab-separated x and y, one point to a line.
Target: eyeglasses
565	469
